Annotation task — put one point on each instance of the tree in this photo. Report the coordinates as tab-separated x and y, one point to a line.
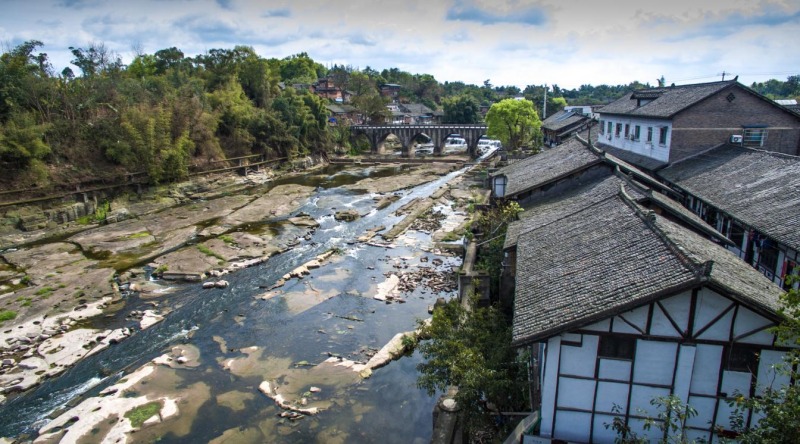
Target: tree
513	122
461	109
779	407
471	348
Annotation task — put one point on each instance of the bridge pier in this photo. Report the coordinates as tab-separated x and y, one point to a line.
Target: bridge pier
407	133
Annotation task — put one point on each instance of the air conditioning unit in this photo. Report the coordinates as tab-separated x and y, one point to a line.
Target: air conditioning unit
737	138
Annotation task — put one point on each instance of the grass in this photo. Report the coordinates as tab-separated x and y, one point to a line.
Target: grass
227	239
7	315
44	292
161	269
209	252
140	414
139	235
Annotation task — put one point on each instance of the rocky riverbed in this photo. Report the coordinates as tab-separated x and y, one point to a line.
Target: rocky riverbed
201	240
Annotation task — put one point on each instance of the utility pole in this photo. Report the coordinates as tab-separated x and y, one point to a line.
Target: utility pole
544	103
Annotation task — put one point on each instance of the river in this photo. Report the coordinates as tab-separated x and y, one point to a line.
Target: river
328	313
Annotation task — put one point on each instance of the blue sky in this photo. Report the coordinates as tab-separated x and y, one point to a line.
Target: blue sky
509	42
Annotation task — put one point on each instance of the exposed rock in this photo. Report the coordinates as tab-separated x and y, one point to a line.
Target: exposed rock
221	284
346	215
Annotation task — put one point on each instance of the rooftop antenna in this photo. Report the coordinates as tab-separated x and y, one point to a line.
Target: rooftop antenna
723	74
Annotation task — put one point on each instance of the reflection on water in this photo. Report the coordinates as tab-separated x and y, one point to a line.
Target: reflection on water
328	313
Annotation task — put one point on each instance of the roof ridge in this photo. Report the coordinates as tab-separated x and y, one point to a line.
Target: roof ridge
700	270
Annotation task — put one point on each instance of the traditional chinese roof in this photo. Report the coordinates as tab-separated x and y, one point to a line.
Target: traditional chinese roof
548	166
563	119
759	188
340	109
664	102
550	207
612	257
416	109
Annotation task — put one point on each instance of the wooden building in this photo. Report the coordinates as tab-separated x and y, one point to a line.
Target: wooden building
620	306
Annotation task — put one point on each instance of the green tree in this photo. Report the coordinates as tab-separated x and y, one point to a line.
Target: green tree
514	122
778	406
471	348
461	109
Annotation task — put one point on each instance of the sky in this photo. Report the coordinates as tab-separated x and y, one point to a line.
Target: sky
508	42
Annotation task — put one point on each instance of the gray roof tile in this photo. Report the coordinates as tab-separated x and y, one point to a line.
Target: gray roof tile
610	258
759	188
546	166
666	101
563	119
550	208
589	265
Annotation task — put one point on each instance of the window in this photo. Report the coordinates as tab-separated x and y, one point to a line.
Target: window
743	358
616	347
619	129
602	127
737	234
609	127
650	134
662	135
636	132
754	137
627	129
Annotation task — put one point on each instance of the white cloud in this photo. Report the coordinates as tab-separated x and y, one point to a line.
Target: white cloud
517	42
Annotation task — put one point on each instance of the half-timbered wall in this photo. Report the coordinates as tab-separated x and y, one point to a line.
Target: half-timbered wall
698	345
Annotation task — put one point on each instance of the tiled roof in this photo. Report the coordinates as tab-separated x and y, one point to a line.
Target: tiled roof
759	188
686	216
648	163
546	166
590	265
554	206
416	108
666	101
728	271
610	258
563	119
340	109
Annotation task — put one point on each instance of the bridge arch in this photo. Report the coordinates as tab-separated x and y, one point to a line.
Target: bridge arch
406	133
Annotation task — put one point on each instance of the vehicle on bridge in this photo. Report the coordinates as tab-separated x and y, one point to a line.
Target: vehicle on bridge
424	149
454	144
486	145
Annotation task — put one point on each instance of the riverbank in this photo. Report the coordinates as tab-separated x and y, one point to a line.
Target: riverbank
296	394
203	230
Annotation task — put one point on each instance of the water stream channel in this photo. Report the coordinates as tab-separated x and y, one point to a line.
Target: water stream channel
331	312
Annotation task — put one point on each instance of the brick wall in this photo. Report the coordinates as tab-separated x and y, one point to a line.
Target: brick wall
712	122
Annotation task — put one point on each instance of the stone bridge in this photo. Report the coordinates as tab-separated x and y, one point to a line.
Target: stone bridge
407	133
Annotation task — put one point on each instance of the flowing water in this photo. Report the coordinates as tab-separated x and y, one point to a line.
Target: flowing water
330	312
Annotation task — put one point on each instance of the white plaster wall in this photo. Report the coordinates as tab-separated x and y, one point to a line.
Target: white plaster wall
705	373
602	326
580	361
573	426
770	372
637	317
654	362
678	308
653	150
709	306
576	393
640	399
705	412
601	433
610	394
747	321
550	380
616	369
